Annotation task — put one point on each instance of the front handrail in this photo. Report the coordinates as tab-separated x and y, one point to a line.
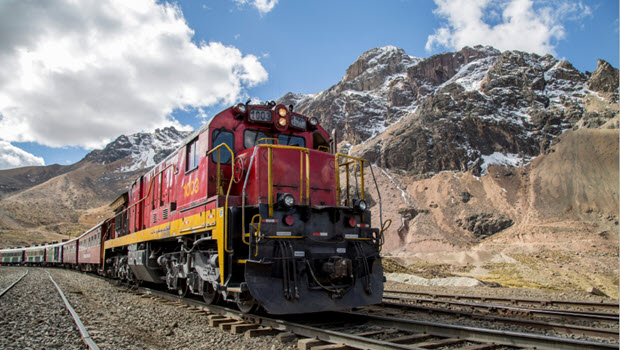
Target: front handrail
270	175
232	161
359	162
256	231
301	173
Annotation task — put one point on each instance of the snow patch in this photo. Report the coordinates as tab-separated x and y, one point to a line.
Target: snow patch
508	159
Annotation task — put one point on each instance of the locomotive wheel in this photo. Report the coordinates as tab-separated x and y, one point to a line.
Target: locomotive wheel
246	303
209	295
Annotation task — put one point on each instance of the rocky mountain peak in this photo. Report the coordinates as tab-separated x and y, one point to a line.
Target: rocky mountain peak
140	150
604	78
371	69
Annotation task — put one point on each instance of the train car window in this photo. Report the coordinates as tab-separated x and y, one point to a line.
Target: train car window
250	137
191	155
222	136
290	140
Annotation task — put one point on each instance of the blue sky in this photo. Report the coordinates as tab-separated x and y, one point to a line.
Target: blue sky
63	99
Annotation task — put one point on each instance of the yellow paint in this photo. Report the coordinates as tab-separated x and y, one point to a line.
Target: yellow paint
184	226
191	188
165	230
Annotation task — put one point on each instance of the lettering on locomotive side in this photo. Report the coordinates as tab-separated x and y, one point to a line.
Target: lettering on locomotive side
191	188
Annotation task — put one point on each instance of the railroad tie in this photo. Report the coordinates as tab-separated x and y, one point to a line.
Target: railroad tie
440	343
410	338
242	328
481	347
215	320
227	325
286	337
332	347
309	343
253	333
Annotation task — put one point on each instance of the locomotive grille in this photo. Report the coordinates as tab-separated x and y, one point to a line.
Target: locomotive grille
164	214
154	217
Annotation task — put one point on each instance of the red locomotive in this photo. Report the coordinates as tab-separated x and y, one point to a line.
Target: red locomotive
251	209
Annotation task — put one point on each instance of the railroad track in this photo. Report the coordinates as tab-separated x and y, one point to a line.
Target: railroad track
511	310
558	327
366	331
83	332
13	284
517	301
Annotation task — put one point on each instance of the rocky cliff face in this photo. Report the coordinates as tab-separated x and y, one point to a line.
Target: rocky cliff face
373	94
460	111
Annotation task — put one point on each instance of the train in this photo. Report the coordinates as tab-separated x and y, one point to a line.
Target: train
256	207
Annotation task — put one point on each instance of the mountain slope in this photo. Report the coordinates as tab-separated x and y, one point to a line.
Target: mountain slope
494	156
67	200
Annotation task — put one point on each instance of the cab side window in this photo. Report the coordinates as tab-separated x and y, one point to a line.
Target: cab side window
191	154
220	136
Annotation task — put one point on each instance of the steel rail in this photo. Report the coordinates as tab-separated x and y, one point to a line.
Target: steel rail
511	300
14	283
439	330
83	332
563	328
581	315
506	338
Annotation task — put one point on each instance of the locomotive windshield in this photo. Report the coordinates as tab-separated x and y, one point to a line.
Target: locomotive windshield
250	137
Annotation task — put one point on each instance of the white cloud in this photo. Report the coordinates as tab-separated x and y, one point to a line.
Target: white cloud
13	157
521	25
84	72
263	6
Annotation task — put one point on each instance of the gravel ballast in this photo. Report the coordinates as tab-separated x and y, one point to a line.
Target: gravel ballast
33	314
117	319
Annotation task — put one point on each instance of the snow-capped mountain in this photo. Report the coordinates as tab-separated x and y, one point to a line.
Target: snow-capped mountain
373	94
139	151
460	110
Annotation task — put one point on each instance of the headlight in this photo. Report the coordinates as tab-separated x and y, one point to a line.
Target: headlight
360	204
282	121
240	110
313	121
286	200
282	112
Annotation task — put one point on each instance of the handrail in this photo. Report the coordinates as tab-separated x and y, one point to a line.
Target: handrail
247	176
359	162
256	231
232	161
301	170
245	183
